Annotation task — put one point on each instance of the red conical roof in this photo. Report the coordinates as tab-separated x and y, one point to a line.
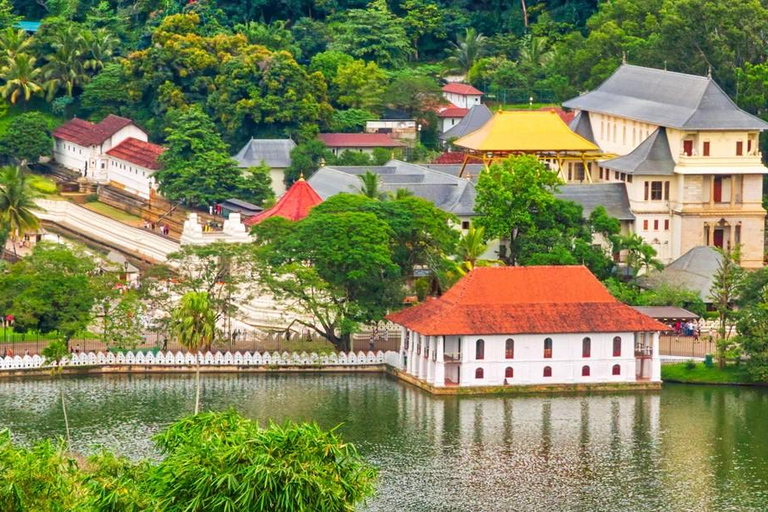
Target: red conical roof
293	205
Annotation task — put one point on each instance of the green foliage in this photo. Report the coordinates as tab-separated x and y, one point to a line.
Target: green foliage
213	462
27	138
701	374
17	205
351	120
726	285
360	85
666	295
306	158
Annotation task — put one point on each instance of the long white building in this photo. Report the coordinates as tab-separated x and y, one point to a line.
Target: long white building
544	325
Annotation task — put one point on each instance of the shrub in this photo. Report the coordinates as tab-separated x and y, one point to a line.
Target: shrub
43	185
690	365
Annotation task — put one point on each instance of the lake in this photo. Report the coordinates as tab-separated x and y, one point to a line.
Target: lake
684	448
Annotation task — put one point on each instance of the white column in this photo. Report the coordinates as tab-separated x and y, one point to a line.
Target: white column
656	361
430	362
403	352
439	379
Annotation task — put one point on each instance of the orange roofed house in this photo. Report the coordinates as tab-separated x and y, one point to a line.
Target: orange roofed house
549	325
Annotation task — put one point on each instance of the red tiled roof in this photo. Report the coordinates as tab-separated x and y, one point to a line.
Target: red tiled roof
293	205
463	89
525	300
85	133
453	112
456	157
144	154
567	117
359	140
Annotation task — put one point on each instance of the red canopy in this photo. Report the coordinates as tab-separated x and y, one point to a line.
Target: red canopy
293	205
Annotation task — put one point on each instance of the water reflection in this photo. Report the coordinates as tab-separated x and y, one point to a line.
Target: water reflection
687	448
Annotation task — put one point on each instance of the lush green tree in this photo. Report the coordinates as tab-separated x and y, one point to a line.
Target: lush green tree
65	66
360	85
194	323
306	158
197	167
370	186
7	17
726	284
510	195
98	48
51	290
274	36
666	295
466	50
105	94
120	312
418	95
22	77
311	35
639	254
328	63
351	120
373	34
423	18
13	42
27	138
17	203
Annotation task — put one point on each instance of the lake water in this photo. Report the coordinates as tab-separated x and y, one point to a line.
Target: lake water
684	448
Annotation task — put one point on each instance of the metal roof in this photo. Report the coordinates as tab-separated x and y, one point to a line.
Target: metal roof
276	153
693	271
612	196
666	98
582	125
666	312
477	117
651	157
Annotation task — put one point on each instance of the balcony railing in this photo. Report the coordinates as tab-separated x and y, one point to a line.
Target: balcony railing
643	352
452	357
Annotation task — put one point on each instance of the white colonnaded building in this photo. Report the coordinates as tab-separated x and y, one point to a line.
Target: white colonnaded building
547	325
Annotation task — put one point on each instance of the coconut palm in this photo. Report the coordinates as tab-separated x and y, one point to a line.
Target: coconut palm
13	42
194	323
22	78
400	193
99	47
535	52
466	50
470	250
370	186
17	204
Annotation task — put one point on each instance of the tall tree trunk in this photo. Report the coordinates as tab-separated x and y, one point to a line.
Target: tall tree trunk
197	386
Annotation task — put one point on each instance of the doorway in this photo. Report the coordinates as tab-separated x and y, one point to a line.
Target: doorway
717	239
717	189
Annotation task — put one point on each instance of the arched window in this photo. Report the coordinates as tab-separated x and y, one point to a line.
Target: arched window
480	349
586	347
509	349
509	372
617	346
585	371
547	371
616	370
479	373
548	348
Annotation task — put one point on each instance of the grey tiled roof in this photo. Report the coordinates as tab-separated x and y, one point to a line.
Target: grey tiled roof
612	196
651	157
581	125
275	152
666	98
694	271
666	312
447	192
477	116
471	171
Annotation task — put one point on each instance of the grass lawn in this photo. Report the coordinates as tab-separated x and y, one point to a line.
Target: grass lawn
519	106
42	184
113	213
732	374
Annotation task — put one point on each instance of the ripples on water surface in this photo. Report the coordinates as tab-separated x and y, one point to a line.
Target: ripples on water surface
686	448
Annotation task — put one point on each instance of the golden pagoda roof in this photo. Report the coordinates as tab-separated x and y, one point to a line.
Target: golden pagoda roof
533	131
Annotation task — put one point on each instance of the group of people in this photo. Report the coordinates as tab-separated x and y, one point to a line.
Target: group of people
162	228
688	328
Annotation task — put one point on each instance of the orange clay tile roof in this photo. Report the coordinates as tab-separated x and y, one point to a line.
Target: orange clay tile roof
453	111
143	154
464	89
85	133
525	300
293	205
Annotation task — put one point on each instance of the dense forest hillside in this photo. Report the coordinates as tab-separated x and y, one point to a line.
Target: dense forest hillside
293	67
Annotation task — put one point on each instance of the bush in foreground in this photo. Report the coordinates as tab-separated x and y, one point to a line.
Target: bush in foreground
212	462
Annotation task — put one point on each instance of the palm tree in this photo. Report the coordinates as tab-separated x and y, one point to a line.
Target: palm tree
466	50
21	77
370	186
17	204
470	249
535	52
99	47
12	43
194	323
56	352
65	66
400	193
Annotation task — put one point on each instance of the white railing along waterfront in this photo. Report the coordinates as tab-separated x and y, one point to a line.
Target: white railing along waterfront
206	359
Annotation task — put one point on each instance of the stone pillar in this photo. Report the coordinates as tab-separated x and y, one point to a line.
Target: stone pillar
711	190
733	190
439	379
731	236
430	362
656	361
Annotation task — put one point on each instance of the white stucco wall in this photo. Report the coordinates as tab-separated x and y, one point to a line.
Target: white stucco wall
71	155
463	100
129	176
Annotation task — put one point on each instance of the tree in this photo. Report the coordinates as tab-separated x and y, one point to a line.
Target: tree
51	290
418	95
56	352
360	85
13	42
639	254
510	195
98	48
423	17
725	290
194	323
370	186
105	93
7	17
466	50
27	138
197	167
306	158
372	34
65	66
274	36
17	203
22	78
